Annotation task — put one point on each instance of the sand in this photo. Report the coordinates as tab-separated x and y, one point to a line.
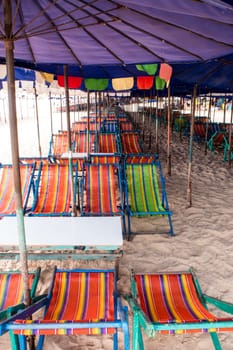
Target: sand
203	237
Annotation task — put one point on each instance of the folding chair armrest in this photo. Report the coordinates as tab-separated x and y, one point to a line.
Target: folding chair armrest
11	310
132	302
23	314
38	297
222	305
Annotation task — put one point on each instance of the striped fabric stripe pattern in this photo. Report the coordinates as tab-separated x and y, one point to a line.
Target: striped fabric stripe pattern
79	297
107	143
11	289
101	197
143	188
81	142
55	190
171	298
60	144
7	192
130	143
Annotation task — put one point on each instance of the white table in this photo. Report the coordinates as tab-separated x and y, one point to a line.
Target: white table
64	231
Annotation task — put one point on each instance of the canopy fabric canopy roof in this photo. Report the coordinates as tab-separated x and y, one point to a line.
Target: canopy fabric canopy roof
106	32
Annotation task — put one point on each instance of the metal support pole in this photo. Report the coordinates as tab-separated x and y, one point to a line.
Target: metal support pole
9	49
189	189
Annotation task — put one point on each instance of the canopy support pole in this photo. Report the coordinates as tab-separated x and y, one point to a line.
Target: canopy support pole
61	111
9	49
37	122
189	189
207	124
157	124
74	209
230	135
169	132
88	124
51	112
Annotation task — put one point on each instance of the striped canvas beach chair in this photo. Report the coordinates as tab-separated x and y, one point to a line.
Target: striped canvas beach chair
99	190
142	158
130	143
126	126
12	297
108	143
7	192
145	192
53	191
109	126
173	303
11	291
79	302
217	141
59	144
81	142
98	158
83	126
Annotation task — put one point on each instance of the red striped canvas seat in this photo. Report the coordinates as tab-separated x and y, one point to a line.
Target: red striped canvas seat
170	299
81	142
130	143
7	192
83	126
107	143
54	192
105	159
60	144
101	190
11	289
78	297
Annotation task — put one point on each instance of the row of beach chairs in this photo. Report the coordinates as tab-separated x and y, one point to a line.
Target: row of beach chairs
134	186
124	143
102	135
87	302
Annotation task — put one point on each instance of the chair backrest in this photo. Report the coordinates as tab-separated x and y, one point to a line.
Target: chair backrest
53	190
130	143
59	144
83	126
126	126
167	298
107	143
11	288
81	142
7	192
82	296
143	188
141	158
101	189
97	158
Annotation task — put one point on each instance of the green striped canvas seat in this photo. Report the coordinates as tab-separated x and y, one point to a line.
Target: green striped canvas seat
145	191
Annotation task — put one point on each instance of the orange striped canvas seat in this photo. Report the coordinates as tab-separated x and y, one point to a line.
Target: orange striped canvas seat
171	298
83	126
12	293
104	159
126	126
141	158
107	143
7	192
81	142
59	144
173	303
80	297
53	195
80	302
100	190
130	143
